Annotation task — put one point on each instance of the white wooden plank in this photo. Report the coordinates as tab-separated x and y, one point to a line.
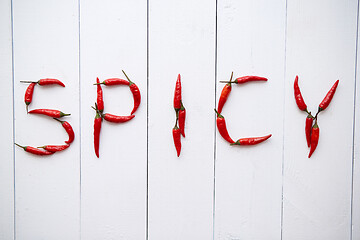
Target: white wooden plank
182	40
6	128
320	49
251	41
356	148
114	37
47	188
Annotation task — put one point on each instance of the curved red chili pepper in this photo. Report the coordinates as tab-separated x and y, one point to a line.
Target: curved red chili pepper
29	94
245	79
221	125
251	140
325	103
113	81
177	94
177	138
34	150
69	130
182	115
47	81
50	113
308	126
50	81
298	97
55	148
117	119
224	96
100	99
97	129
315	133
135	92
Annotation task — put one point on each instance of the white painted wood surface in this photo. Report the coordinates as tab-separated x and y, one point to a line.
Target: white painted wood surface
139	189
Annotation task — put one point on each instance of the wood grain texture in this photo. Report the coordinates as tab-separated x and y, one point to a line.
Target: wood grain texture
181	40
113	191
46	188
6	127
251	41
320	49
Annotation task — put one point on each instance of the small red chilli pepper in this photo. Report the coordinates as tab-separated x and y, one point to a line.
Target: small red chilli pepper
29	94
308	125
251	140
135	92
326	101
182	116
177	94
113	81
34	150
314	138
55	148
224	94
47	81
298	97
117	119
50	113
221	125
69	130
177	138
97	129
245	79
100	99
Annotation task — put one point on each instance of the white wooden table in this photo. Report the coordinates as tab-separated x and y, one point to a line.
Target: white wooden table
139	189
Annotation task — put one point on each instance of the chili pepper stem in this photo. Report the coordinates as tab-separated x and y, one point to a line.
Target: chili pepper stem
130	82
58	120
28	82
41	147
218	114
20	146
27	108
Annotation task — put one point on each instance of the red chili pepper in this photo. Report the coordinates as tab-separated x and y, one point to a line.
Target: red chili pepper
298	97
135	92
325	103
97	129
224	96
177	94
100	99
251	141
221	125
177	138
113	81
314	138
29	94
308	126
246	79
117	119
55	148
34	150
47	81
182	115
68	129
50	113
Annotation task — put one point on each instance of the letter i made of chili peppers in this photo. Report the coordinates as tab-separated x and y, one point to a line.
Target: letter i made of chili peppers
99	98
97	129
182	116
315	131
308	125
224	94
135	92
221	125
177	138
